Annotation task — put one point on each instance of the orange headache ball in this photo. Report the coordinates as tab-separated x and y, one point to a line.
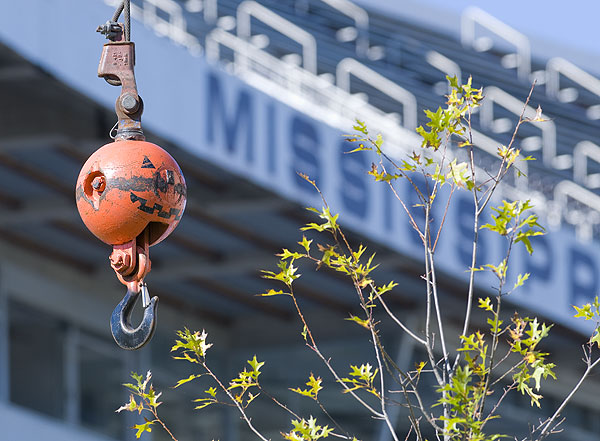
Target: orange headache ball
127	185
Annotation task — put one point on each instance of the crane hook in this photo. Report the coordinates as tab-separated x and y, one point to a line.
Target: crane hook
124	334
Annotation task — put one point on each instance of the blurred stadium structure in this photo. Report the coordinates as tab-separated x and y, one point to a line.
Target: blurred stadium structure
244	95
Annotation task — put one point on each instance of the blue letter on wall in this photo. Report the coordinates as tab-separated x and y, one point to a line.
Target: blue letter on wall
353	187
465	215
231	120
305	146
415	206
583	277
541	262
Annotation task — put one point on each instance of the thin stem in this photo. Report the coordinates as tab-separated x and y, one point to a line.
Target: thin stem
443	218
408	379
313	346
548	425
396	319
428	345
347	435
471	289
164	426
516	366
279	403
496	333
295	415
502	172
438	314
412	221
235	402
382	384
493	411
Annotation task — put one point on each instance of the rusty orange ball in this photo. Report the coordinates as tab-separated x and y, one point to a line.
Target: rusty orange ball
128	185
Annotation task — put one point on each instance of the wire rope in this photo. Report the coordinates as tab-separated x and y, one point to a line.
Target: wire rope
125	8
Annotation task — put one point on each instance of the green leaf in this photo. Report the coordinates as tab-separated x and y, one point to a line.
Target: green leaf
307	430
596	337
485	304
186	380
304	333
521	278
585	311
191	343
361	322
212	391
256	365
361	127
273	292
453	81
131	406
459	174
141	428
305	244
314	386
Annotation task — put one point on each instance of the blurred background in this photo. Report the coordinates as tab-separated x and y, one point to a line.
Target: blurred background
245	95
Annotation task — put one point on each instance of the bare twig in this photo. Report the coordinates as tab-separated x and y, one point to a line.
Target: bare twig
234	401
548	425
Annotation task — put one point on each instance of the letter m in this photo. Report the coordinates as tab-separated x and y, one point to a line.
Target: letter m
229	126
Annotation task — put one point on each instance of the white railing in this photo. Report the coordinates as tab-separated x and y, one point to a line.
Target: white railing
361	21
337	107
445	65
350	66
248	9
584	151
307	92
547	143
334	105
583	220
559	66
521	60
490	146
207	7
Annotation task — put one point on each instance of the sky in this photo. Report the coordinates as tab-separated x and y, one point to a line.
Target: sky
570	29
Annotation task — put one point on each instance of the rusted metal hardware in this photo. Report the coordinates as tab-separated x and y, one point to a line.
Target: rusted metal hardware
130	193
127	186
116	67
131	263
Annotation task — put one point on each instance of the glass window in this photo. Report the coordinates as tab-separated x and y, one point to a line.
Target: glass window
101	375
36	360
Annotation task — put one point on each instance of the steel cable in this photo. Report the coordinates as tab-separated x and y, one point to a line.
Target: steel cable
125	8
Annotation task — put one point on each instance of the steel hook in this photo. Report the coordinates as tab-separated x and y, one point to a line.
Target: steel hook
124	334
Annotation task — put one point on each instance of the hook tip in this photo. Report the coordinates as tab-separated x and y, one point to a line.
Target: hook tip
124	334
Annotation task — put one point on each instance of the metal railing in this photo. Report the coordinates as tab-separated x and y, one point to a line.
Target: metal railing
336	106
555	67
490	146
350	66
361	21
445	65
248	9
521	60
584	151
207	7
494	95
305	91
583	220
